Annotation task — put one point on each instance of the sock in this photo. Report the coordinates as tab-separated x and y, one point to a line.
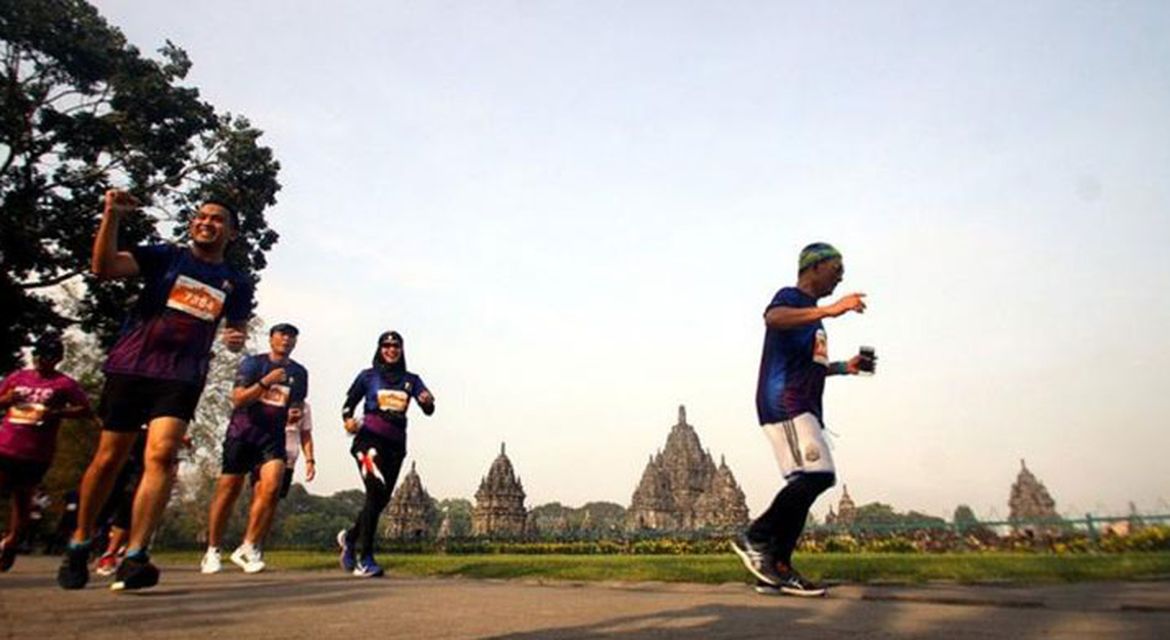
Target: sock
84	544
136	554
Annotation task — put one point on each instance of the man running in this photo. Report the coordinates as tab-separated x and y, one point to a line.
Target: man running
793	367
268	386
298	436
156	371
34	402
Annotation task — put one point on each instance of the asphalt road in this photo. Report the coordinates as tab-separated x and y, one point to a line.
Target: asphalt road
333	606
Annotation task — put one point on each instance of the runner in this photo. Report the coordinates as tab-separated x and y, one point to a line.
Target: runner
298	435
268	387
34	402
793	367
156	371
379	446
115	516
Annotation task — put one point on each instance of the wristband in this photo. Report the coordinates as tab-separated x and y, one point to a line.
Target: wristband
310	461
262	385
840	368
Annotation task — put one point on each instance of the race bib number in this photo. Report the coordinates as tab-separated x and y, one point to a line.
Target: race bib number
821	348
392	400
196	298
26	413
276	396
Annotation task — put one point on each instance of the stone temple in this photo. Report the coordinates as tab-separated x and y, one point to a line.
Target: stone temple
682	490
499	504
846	510
1030	501
411	509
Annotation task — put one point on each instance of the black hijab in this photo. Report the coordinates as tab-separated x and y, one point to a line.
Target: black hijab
391	372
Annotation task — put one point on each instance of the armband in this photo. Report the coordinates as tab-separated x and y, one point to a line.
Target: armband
838	368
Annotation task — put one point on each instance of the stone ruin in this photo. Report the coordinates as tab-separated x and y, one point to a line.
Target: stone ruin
499	503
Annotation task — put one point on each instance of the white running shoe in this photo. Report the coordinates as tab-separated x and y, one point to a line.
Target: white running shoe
211	562
248	558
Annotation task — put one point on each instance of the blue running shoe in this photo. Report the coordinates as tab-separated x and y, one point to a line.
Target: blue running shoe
367	568
348	562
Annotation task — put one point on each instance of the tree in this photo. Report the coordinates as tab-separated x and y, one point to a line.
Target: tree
458	512
82	110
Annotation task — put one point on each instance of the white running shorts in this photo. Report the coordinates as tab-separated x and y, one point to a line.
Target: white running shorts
799	446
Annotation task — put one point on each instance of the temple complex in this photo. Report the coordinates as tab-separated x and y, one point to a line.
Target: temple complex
411	509
499	503
681	489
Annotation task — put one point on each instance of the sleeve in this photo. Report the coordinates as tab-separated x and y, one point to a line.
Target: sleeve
300	389
307	419
786	297
153	259
239	303
419	387
76	396
356	392
249	372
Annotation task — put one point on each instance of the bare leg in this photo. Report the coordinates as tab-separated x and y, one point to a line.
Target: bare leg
21	505
163	438
264	499
227	490
98	481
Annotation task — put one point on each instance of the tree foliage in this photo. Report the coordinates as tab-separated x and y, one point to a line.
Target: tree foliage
81	111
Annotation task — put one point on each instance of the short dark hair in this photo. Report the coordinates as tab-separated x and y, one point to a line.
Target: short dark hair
284	328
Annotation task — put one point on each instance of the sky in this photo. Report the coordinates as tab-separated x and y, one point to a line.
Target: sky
576	213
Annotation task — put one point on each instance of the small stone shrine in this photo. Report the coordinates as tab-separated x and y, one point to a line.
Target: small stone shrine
499	504
411	509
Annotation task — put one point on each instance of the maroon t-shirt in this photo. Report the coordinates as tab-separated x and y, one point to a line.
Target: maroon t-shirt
29	430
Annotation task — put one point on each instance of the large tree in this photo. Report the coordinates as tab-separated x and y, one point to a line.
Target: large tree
81	111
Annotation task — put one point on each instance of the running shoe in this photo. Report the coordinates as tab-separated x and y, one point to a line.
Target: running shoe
211	562
794	584
765	589
74	570
757	559
367	568
348	562
7	556
135	572
249	558
107	565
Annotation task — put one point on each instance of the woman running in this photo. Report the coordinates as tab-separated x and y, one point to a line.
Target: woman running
379	446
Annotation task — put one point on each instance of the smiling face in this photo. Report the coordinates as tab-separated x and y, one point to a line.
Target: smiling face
391	351
211	228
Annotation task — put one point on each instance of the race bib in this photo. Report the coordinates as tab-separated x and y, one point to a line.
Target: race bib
276	396
392	400
26	413
821	348
196	298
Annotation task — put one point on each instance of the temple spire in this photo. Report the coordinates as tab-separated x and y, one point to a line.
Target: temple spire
682	414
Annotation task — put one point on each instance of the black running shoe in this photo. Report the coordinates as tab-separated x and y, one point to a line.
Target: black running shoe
7	556
135	573
794	584
757	559
765	589
74	570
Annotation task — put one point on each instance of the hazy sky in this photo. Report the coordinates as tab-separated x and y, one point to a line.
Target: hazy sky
576	213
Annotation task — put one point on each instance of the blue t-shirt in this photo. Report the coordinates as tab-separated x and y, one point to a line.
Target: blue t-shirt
263	421
169	333
384	403
793	365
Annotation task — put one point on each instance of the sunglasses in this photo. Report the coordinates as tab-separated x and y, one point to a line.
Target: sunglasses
391	344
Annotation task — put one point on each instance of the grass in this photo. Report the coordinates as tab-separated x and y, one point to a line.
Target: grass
714	569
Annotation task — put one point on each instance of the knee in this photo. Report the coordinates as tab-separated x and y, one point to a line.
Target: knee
161	457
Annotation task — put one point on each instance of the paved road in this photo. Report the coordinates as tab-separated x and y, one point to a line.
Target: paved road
332	606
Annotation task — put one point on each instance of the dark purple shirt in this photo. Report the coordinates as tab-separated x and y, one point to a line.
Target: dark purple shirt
263	421
385	403
169	333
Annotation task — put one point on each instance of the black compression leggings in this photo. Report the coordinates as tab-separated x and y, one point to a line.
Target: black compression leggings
783	522
378	461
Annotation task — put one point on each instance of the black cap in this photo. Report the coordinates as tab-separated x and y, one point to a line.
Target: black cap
284	328
49	345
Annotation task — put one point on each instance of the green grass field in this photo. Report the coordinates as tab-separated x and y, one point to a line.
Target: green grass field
713	569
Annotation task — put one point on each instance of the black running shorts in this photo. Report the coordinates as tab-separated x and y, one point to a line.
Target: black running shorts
240	457
128	402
